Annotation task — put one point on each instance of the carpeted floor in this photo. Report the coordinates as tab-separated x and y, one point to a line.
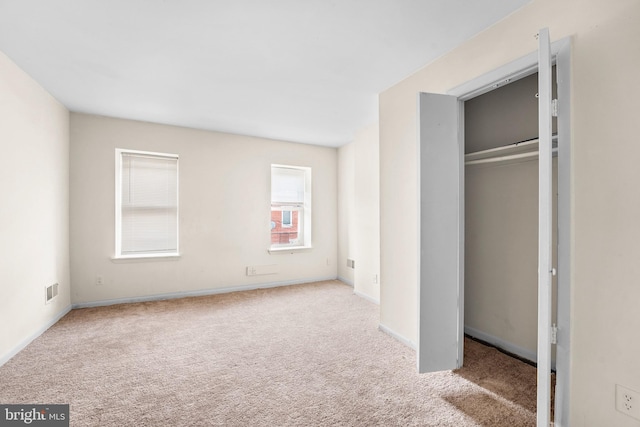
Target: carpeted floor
307	355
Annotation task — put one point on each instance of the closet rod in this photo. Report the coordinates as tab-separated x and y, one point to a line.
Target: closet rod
505	158
522	149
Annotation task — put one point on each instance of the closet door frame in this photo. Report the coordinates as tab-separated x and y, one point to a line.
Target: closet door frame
522	67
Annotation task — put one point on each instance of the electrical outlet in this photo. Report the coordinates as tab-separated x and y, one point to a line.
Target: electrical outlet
628	401
99	280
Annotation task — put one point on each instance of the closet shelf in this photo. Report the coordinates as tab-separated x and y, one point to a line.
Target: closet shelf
508	153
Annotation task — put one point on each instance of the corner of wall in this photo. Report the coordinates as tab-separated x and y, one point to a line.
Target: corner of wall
35	141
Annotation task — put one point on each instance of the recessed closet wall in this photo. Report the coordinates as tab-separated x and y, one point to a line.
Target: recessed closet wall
501	219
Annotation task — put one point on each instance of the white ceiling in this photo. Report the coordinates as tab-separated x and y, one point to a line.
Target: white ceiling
297	70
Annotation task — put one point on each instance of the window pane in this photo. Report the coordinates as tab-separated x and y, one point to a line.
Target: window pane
281	233
286	218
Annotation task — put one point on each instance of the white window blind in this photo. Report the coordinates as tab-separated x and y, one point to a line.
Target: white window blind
287	186
148	204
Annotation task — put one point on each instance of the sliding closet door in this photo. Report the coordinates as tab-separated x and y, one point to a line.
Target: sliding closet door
545	205
440	334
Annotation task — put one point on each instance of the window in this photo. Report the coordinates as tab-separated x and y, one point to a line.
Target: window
286	219
146	204
290	207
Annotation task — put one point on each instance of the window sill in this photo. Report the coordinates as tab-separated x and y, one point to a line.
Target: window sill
145	257
289	249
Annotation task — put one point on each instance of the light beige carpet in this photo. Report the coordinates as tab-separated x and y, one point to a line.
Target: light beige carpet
307	355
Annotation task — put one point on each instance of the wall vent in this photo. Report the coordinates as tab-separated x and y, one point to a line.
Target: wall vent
50	293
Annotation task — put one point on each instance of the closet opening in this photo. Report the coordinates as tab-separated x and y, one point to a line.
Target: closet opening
446	186
501	217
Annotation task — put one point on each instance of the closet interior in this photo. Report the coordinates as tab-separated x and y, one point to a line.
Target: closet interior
501	216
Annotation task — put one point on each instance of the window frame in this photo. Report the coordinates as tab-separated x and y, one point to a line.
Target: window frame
304	211
118	206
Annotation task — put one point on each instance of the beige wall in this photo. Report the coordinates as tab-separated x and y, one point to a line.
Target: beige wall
367	212
501	254
34	215
359	212
224	210
605	101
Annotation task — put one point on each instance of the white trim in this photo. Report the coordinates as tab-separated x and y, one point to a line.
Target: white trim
147	257
152	154
461	232
505	74
291	249
295	167
508	73
366	297
545	229
397	336
565	230
346	281
25	342
201	292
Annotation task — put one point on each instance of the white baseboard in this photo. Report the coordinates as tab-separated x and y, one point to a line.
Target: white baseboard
367	297
198	293
397	336
346	281
358	293
500	343
25	342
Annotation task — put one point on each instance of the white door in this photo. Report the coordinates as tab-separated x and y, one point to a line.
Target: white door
545	206
440	311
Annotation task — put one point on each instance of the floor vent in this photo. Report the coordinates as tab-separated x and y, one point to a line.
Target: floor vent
51	292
